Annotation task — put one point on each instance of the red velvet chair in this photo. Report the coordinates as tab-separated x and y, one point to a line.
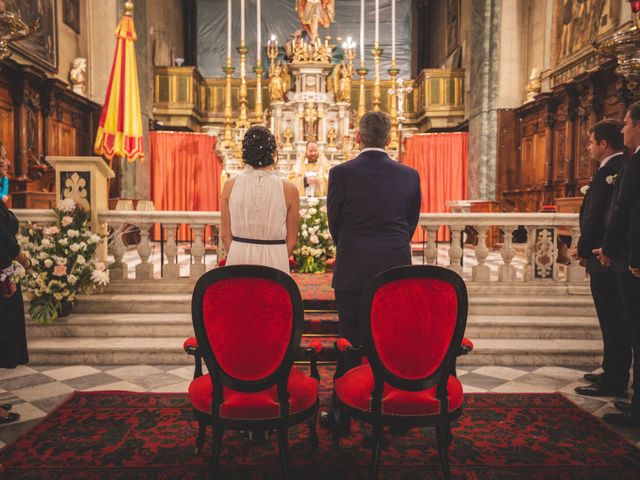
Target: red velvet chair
412	321
248	323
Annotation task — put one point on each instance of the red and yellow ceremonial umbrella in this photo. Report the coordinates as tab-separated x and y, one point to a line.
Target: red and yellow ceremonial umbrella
120	129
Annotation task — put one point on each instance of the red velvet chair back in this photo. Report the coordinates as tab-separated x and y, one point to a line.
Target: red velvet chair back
413	320
248	322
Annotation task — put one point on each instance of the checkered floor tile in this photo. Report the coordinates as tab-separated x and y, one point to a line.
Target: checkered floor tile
36	390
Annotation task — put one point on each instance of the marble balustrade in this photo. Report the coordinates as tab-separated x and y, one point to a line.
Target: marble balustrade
540	249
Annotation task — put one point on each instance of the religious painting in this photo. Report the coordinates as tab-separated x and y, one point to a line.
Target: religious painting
576	22
41	47
71	14
453	25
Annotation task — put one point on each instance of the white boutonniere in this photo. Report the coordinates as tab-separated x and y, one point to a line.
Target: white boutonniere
584	189
611	179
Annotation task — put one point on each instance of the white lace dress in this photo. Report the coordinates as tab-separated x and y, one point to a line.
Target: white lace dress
258	211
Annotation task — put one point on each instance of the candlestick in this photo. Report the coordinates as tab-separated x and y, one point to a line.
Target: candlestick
377	53
229	29
393	31
243	122
377	22
241	21
362	32
393	110
227	141
362	71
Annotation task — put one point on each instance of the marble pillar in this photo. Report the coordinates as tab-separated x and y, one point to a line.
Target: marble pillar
483	98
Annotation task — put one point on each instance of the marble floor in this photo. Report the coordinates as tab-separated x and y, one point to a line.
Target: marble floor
36	390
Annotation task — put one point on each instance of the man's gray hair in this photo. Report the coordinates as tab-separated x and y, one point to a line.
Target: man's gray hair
374	129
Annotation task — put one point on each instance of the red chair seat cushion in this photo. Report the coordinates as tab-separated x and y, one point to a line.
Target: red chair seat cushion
303	393
355	387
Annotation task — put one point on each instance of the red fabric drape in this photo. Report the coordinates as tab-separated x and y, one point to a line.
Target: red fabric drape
185	173
441	159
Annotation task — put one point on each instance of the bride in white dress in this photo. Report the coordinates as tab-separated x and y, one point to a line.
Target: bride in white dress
259	211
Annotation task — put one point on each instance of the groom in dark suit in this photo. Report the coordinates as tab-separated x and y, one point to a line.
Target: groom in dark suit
615	247
605	147
373	205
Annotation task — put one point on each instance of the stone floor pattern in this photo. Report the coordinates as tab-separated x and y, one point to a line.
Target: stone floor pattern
36	390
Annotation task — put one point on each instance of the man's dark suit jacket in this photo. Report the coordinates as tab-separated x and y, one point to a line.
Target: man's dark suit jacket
373	205
593	213
634	237
626	196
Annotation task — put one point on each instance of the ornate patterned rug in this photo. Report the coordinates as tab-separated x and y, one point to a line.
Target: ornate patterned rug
123	435
316	290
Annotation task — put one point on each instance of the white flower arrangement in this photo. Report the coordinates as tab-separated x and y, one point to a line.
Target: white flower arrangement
315	245
611	179
14	273
63	261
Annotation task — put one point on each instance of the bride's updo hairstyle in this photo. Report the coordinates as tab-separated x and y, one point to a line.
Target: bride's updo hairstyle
258	146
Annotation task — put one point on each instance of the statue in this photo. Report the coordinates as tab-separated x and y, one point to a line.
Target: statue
77	75
310	116
287	135
534	86
311	175
279	82
332	136
315	13
340	82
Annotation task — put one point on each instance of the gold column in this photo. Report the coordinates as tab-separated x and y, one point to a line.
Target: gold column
243	121
393	109
377	53
362	109
227	141
258	109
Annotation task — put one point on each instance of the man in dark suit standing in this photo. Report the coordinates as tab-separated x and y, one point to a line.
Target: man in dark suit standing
615	247
634	241
373	205
605	147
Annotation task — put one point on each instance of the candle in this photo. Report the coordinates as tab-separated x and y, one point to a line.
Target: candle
377	35
259	35
228	28
241	22
362	32
393	32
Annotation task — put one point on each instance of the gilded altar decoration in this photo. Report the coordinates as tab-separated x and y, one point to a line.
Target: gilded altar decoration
314	14
310	52
310	116
340	82
287	135
13	29
332	136
279	81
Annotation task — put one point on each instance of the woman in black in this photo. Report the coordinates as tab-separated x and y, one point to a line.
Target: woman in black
13	339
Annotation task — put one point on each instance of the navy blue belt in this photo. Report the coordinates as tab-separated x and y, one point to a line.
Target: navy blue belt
258	242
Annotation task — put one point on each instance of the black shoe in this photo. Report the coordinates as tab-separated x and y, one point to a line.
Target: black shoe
600	390
593	377
9	417
624	407
6	406
622	420
328	420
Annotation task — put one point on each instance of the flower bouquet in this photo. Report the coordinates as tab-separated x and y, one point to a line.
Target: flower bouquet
315	245
63	262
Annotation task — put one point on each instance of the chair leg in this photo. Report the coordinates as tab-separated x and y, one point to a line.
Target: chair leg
444	440
376	445
216	449
202	432
283	446
313	434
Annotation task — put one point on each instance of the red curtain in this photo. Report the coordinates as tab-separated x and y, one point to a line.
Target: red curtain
185	173
441	159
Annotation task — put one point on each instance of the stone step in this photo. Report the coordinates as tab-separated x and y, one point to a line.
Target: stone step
580	305
168	350
179	325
